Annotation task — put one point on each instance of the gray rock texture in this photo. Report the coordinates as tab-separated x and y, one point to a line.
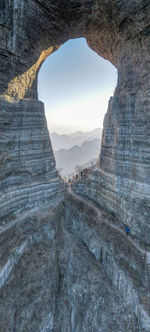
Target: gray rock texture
65	268
116	30
121	184
27	176
54	270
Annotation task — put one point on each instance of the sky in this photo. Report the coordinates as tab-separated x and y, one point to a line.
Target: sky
75	84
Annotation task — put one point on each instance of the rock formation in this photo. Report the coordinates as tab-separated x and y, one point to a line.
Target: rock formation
52	274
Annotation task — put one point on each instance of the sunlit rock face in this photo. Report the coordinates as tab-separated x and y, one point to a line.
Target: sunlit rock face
54	272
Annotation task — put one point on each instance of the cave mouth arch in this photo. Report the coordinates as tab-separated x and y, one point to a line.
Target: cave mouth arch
119	34
47	250
75	85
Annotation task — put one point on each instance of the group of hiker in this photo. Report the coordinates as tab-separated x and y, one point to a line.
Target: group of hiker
83	172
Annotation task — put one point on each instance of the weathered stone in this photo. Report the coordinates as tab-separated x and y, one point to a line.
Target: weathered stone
122	182
117	31
28	176
52	277
66	269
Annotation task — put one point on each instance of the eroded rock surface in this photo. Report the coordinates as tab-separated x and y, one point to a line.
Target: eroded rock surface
54	276
121	184
64	268
28	176
116	30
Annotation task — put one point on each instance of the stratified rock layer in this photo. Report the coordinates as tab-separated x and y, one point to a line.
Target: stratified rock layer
121	184
27	176
51	278
117	31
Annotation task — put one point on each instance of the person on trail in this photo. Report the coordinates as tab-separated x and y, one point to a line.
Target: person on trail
127	230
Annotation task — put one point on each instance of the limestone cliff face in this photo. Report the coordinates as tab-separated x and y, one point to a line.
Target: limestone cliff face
116	30
27	176
51	265
122	182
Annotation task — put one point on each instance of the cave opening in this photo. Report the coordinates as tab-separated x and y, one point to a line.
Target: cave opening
75	84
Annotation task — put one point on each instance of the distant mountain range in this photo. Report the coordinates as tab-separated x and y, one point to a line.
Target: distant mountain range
68	159
79	148
77	138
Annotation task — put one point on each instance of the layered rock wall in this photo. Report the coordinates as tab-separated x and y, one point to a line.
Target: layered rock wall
27	175
121	184
118	31
62	269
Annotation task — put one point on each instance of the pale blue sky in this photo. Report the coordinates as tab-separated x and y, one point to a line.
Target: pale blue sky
75	84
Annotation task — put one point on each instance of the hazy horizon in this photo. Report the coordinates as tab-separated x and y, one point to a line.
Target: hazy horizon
75	85
63	130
